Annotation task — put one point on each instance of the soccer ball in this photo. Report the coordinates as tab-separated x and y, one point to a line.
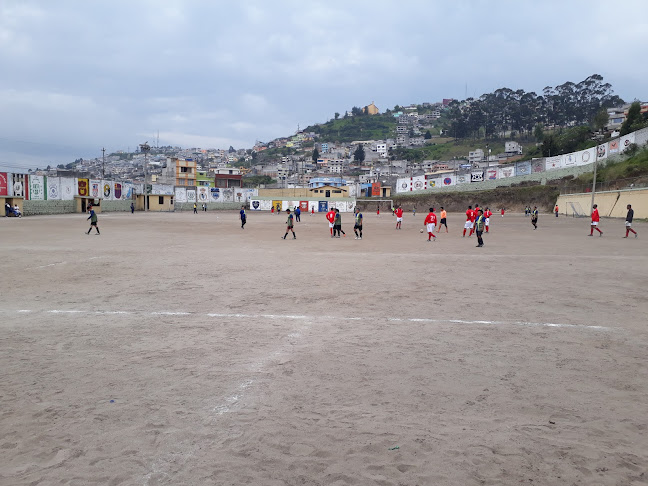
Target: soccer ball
421	230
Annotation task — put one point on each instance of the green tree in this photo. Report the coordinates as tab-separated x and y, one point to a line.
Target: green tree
427	135
315	155
538	133
634	115
359	154
601	119
337	115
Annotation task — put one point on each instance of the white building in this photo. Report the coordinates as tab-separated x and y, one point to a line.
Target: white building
476	156
381	149
513	148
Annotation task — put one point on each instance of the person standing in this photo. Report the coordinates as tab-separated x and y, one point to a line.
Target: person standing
298	214
337	226
480	222
330	217
312	210
272	209
132	208
357	227
502	211
195	208
628	221
399	217
556	210
378	210
289	225
534	217
430	224
204	207
595	221
93	221
487	214
444	220
468	223
243	217
414	211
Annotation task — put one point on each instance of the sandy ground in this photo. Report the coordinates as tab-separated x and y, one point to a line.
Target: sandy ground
180	349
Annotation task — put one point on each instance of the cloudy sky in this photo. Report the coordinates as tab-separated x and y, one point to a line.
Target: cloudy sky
80	75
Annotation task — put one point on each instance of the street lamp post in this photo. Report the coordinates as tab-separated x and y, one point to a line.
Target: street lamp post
144	147
594	179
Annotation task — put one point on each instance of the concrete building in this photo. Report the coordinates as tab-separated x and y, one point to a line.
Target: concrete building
475	156
513	148
228	177
371	109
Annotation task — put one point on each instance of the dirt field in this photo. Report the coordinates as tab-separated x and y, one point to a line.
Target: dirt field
179	349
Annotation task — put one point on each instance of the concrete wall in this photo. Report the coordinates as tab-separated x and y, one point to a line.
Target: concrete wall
154	203
48	207
610	204
113	206
210	206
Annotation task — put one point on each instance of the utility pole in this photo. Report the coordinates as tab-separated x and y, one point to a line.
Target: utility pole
144	147
594	180
103	164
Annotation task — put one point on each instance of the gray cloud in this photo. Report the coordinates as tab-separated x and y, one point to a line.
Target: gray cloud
81	75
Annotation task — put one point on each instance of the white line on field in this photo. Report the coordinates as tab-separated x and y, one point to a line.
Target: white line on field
316	318
59	263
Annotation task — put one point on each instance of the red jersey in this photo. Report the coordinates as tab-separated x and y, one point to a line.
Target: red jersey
488	214
430	218
399	213
330	216
469	215
473	216
476	211
502	212
595	216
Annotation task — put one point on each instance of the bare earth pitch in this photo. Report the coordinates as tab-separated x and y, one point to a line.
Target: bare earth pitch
180	349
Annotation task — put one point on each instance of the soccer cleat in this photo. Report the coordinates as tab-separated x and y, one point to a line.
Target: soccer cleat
601	233
294	237
590	234
624	237
636	235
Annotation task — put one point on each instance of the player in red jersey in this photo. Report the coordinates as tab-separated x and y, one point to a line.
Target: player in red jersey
474	218
399	217
595	221
468	223
330	217
502	212
430	223
487	214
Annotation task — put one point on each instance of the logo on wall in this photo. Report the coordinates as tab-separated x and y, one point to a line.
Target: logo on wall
106	190
601	151
626	142
95	190
255	204
586	156
447	181
418	185
215	193
118	190
404	185
53	191
476	177
83	187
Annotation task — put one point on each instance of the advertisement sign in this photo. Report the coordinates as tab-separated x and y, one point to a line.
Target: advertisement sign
83	187
375	188
3	184
18	181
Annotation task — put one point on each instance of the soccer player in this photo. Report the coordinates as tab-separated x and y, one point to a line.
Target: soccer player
289	225
399	217
473	217
444	220
298	214
93	221
414	211
378	210
430	223
534	217
479	225
272	209
337	226
487	214
502	211
195	208
628	221
358	224
595	221
243	217
312	210
330	217
556	210
468	223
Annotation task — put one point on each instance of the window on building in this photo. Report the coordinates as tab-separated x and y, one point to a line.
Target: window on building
337	192
184	169
160	200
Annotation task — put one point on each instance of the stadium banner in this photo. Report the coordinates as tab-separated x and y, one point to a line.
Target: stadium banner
477	176
403	185
95	189
303	206
626	141
294	205
313	206
227	195
448	180
191	195
276	204
350	206
128	190
537	166
107	189
613	146
352	190
463	179
418	183
17	185
438	182
255	205
602	151
491	174
265	205
181	194
4	187
36	188
215	193
203	194
68	188
585	157
53	188
523	168
554	162
323	206
83	187
569	160
506	172
375	188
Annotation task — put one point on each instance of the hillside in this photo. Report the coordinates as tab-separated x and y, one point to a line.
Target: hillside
364	127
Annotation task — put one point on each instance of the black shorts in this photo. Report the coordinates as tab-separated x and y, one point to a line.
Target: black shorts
443	221
93	224
358	226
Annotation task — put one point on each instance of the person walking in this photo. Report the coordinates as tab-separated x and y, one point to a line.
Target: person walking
534	217
628	221
399	217
337	225
195	208
480	222
414	211
243	217
298	214
502	211
430	224
444	220
556	210
132	208
595	221
204	207
487	214
357	227
378	210
469	224
93	221
330	217
289	225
